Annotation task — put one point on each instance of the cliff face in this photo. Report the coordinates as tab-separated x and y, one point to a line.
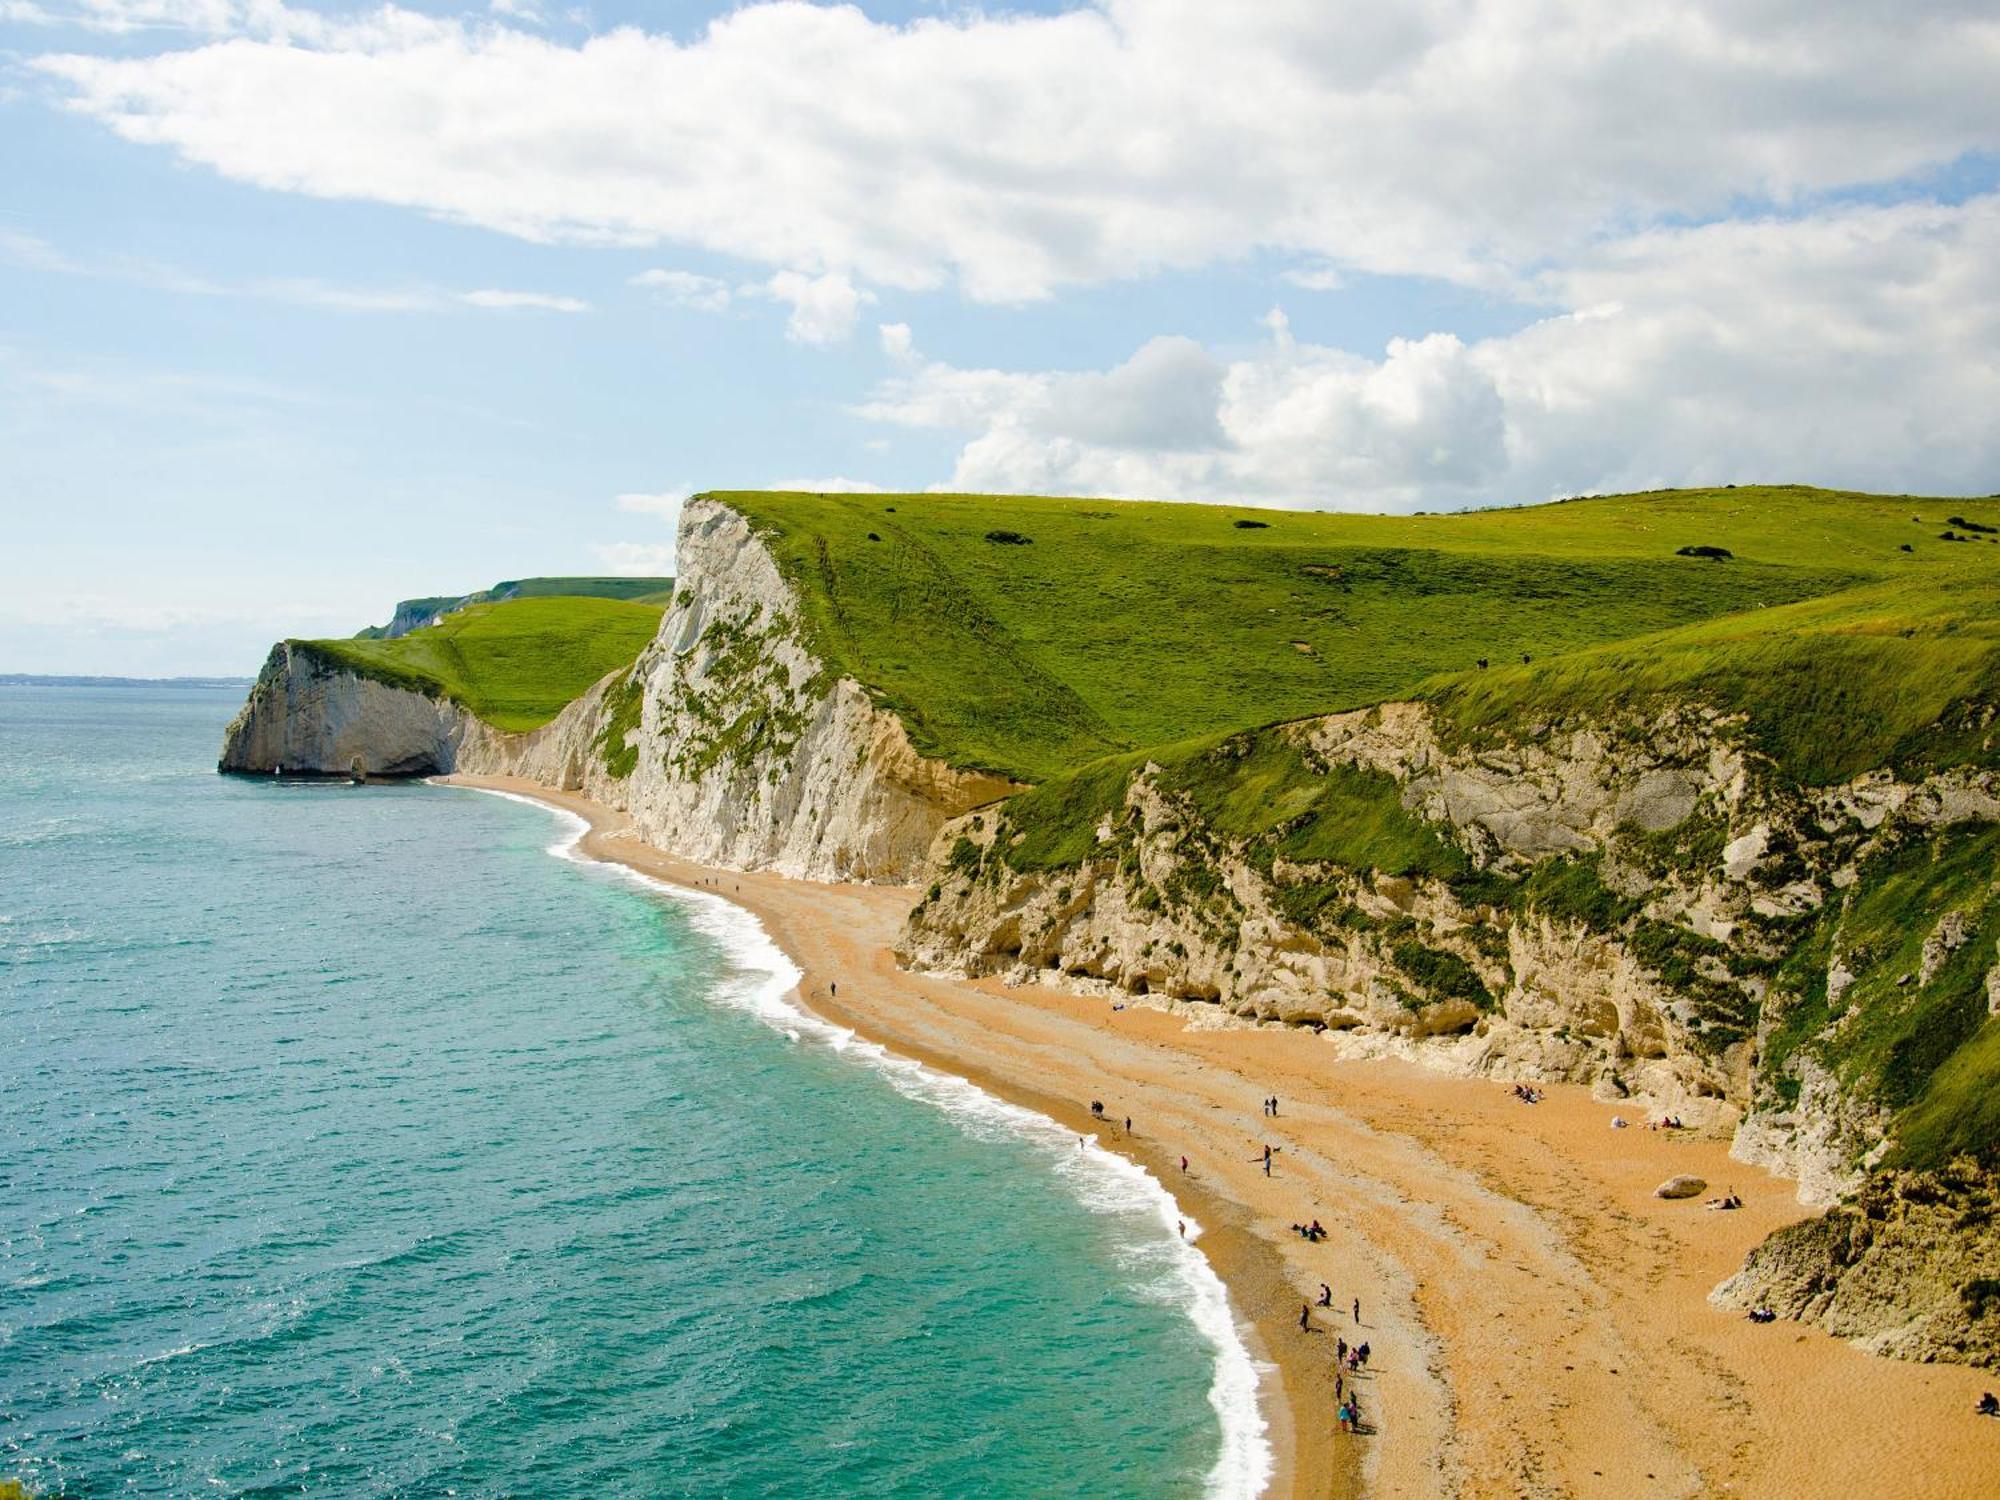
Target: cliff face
1910	1267
728	741
307	716
1642	907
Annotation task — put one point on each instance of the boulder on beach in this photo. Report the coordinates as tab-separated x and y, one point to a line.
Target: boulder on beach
1682	1186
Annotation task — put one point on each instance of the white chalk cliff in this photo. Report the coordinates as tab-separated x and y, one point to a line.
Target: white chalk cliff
729	741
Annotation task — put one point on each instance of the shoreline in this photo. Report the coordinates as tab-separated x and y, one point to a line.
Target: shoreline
1248	1463
1538	1321
1234	1255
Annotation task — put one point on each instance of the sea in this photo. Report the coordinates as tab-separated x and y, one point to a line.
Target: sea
365	1141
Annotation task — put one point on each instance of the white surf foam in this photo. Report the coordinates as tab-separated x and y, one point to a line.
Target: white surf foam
764	981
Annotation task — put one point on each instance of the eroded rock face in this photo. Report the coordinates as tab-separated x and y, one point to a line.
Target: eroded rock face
1566	794
1911	1267
749	751
1722	935
1535	996
1711	866
729	741
307	716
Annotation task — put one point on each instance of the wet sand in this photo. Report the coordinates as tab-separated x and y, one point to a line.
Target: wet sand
1538	1322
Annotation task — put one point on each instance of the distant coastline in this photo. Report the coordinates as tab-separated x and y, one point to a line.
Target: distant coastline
57	679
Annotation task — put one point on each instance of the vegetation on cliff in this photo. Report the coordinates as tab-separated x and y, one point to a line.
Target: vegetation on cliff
1901	674
1126	624
514	665
413	614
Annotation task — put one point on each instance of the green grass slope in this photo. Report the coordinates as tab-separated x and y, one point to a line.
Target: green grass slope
1900	674
1903	674
514	664
1119	625
409	612
646	589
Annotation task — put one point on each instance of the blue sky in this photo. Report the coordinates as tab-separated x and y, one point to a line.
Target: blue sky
305	310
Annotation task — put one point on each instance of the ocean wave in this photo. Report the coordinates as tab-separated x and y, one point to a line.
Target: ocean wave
59	830
764	981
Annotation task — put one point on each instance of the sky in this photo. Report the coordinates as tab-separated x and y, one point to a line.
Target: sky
305	308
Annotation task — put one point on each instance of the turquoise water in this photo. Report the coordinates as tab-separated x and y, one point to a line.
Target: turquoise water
352	1145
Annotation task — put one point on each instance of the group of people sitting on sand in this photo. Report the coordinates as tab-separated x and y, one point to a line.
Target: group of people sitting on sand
1313	1231
1666	1122
1762	1315
1526	1094
1725	1203
1989	1405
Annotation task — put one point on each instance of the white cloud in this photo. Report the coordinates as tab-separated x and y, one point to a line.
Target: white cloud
503	301
897	341
686	289
666	504
830	485
637	559
1320	278
1016	153
36	254
1162	398
1859	349
647	559
824	308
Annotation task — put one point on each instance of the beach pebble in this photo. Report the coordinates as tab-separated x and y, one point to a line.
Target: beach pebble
1680	1187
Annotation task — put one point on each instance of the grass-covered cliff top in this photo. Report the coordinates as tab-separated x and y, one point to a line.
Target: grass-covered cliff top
411	613
1901	674
1031	636
514	664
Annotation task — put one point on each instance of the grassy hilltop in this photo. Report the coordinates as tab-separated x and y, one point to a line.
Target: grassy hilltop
1120	625
514	664
411	614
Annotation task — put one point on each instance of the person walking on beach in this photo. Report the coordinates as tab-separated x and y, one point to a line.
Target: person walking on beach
1183	1163
1305	1317
1267	1161
1357	1312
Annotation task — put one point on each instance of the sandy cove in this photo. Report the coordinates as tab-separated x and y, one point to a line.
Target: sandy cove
1538	1321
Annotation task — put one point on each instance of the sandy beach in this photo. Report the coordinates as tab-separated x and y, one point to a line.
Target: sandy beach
1538	1321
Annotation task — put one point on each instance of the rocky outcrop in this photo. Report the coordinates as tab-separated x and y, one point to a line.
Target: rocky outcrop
415	614
730	740
1410	966
1910	1267
307	715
